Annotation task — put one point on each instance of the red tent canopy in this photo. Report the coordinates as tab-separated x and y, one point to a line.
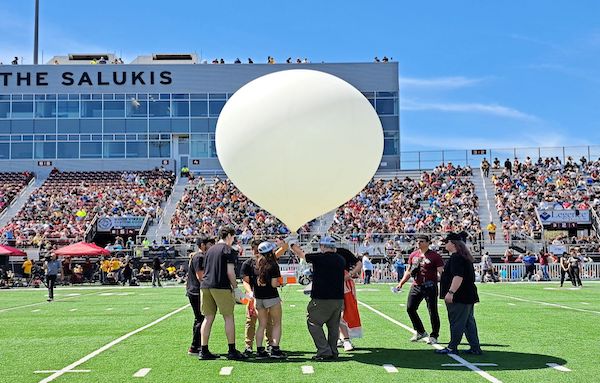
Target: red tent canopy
81	249
11	251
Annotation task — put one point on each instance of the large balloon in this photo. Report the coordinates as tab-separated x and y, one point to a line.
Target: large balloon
299	143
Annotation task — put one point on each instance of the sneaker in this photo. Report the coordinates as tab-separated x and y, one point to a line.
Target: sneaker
432	340
50	299
248	352
262	354
340	343
193	351
417	337
348	346
236	355
473	352
269	348
445	351
276	353
207	356
323	358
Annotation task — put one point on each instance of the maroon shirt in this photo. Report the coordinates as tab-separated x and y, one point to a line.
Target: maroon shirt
544	259
428	266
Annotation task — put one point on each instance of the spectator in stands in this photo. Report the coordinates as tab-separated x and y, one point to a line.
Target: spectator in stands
491	228
508	166
485	167
496	164
128	274
237	61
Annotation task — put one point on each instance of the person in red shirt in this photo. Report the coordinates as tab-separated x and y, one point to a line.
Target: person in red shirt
544	265
424	265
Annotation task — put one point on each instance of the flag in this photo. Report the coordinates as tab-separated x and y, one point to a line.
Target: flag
351	316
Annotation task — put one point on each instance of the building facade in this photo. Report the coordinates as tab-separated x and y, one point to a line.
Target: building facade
113	117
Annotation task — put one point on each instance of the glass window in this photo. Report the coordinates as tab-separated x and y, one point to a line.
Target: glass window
160	149
199	109
4	109
180	125
386	106
114	150
27	138
45	109
165	96
4	150
114	126
200	149
199	125
50	97
160	125
199	96
44	126
137	108
108	96
216	107
74	97
45	149
90	126
68	126
68	109
4	96
136	126
212	125
389	123
84	137
119	137
131	137
91	149
22	110
181	108
119	97
159	109
91	109
137	149
5	126
21	150
114	109
73	137
217	96
181	96
21	126
386	94
68	150
40	97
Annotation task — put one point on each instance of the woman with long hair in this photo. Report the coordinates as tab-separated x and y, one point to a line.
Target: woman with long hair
457	288
264	285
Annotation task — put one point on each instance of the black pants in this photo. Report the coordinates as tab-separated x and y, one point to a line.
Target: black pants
529	271
368	276
462	322
198	318
415	297
575	276
51	282
564	273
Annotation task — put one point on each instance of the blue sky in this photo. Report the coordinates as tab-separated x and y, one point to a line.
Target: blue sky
473	73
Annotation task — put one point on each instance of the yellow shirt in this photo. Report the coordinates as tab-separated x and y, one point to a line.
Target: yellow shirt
105	266
27	265
171	269
491	228
115	265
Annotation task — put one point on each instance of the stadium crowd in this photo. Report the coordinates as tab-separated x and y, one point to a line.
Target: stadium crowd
11	184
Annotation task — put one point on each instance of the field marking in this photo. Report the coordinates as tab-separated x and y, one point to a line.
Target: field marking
226	370
541	303
292	305
109	309
36	310
390	369
474	364
146	308
457	358
43	303
109	345
142	372
584	303
73	310
558	367
308	370
511	304
51	371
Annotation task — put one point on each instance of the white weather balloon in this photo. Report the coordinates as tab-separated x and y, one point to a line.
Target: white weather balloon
299	143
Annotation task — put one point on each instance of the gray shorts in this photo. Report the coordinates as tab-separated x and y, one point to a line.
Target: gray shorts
266	303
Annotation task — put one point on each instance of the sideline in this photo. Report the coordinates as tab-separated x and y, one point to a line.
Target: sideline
540	302
45	302
109	345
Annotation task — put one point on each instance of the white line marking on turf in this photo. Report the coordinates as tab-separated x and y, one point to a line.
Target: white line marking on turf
541	303
73	310
474	364
225	371
109	309
511	304
584	303
41	303
35	311
142	372
52	371
389	368
437	346
146	308
109	345
558	367
308	370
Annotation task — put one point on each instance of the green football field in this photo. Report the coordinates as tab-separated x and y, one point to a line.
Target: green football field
110	334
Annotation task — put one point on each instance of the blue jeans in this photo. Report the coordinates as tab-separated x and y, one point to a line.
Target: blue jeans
545	275
400	272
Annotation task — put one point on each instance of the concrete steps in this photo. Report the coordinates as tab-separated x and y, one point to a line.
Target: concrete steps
21	199
162	228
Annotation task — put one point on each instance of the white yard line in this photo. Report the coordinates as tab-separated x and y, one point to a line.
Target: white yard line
474	364
73	310
109	345
558	367
52	371
457	358
541	303
308	370
142	372
225	370
44	302
390	369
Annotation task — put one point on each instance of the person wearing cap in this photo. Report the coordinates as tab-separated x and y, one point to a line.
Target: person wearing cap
262	274
327	296
424	265
194	276
52	267
458	290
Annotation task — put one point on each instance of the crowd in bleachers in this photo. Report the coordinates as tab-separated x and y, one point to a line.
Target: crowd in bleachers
207	206
63	206
442	200
522	187
11	184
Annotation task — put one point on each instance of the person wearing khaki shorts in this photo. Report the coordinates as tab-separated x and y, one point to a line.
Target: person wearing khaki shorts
213	299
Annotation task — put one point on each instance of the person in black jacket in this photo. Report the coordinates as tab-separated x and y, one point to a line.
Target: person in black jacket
457	288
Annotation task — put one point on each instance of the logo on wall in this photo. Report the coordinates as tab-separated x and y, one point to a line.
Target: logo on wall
104	224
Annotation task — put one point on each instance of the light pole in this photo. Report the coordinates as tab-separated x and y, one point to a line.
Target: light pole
35	32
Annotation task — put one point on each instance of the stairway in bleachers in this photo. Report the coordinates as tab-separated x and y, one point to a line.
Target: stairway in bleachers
487	212
20	201
163	227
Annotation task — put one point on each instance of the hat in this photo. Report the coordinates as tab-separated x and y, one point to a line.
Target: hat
422	236
327	241
266	247
455	237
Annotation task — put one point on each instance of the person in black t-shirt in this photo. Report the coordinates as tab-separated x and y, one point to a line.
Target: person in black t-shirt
194	276
156	269
263	277
327	296
457	288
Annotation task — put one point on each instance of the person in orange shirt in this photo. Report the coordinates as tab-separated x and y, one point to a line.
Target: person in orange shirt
27	265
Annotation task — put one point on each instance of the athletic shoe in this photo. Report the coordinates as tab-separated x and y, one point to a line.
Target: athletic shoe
269	348
473	352
323	358
276	353
262	354
236	355
445	351
417	337
193	351
432	340
50	299
348	346
207	355
248	352
340	343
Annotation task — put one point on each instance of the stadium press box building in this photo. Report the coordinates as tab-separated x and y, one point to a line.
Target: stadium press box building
158	110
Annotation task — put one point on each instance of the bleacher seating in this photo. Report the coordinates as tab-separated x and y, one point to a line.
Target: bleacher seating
11	184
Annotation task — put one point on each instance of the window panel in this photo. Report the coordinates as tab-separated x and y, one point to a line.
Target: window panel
45	109
68	126
160	149
68	150
181	125
68	109
114	126
22	150
21	126
90	126
159	108
45	150
386	106
181	108
136	126
4	109
137	108
216	107
91	149
114	109
114	150
199	108
137	149
44	126
22	110
160	126
91	109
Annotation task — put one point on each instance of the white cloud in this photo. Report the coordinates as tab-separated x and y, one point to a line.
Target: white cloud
490	109
454	82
